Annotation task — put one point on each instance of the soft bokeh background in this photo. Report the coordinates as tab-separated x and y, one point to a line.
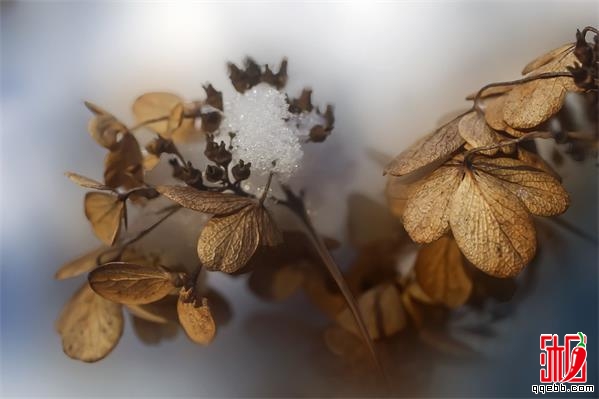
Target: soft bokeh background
392	70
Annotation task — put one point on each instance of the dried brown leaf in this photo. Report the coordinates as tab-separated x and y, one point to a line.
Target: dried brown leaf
205	201
90	326
267	229
105	213
434	147
426	215
540	192
133	284
440	272
381	309
491	225
195	319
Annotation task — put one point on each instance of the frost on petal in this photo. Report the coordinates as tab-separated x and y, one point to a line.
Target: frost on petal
263	135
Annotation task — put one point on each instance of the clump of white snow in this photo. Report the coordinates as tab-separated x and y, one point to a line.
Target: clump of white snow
260	119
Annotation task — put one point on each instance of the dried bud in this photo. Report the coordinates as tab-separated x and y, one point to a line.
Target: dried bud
278	80
241	171
211	121
301	104
217	153
188	174
161	145
214	173
214	97
583	51
318	134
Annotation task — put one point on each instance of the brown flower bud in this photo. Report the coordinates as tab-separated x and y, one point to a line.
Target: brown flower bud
241	171
214	173
217	153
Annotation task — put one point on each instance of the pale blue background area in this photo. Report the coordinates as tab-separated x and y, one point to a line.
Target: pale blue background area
392	70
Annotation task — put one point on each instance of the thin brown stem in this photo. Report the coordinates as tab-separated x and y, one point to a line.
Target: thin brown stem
266	188
529	136
296	205
123	246
148	122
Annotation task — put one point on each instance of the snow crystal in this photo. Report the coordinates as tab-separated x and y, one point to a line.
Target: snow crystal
264	136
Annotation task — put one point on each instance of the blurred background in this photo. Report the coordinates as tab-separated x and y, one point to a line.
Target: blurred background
392	70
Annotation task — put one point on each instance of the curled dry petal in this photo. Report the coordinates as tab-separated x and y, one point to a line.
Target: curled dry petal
228	242
90	326
434	147
440	273
104	127
196	320
381	309
491	226
133	284
123	165
213	203
86	181
426	215
105	212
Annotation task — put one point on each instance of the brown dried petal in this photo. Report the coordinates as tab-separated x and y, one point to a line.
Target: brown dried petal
175	117
133	284
547	57
123	166
491	226
276	282
196	320
205	201
104	127
82	264
228	242
536	161
474	129
542	194
382	311
440	272
86	181
155	105
267	229
90	326
105	212
529	104
433	147
151	333
162	311
494	116
426	216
